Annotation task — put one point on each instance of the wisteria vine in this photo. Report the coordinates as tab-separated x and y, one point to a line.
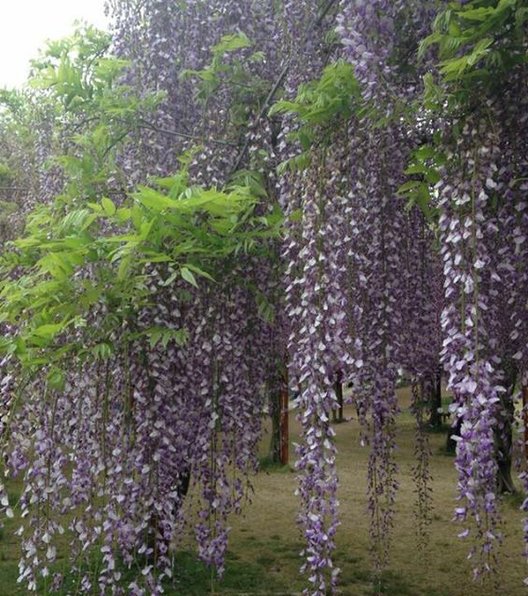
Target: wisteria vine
403	249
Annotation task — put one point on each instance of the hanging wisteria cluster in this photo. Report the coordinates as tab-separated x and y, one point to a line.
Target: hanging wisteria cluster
157	430
483	236
141	426
354	310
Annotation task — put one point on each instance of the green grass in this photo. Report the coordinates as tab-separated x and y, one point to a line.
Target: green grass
191	578
266	464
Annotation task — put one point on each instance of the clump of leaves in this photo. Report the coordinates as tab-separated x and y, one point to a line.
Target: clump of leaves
77	68
318	108
479	40
187	228
424	172
232	67
6	175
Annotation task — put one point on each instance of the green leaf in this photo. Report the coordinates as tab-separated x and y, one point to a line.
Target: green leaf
48	331
152	199
296	215
408	186
56	379
95	207
188	276
230	43
102	351
265	308
124	267
124	214
108	206
163	335
199	271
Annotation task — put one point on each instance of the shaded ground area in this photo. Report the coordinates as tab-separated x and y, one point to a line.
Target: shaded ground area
265	541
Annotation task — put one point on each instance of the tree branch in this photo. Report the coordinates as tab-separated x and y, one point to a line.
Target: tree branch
280	79
184	135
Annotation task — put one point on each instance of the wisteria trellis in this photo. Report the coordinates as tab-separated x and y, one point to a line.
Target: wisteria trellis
361	281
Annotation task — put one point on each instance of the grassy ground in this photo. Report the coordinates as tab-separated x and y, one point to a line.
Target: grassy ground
265	542
268	534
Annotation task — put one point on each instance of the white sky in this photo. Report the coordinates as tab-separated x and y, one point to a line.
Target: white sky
25	25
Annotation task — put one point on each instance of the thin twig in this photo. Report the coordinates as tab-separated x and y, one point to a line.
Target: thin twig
176	133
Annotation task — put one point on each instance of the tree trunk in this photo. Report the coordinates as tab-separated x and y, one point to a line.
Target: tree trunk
337	414
435	419
504	444
275	415
284	423
182	488
278	410
453	432
504	433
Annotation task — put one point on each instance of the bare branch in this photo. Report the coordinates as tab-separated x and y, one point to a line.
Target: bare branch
176	133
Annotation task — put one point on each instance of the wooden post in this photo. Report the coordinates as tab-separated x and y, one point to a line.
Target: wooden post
284	426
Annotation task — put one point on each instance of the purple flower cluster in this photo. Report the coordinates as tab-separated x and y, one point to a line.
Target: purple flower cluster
483	226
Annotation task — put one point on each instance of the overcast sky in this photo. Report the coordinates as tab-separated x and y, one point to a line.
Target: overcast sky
25	25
